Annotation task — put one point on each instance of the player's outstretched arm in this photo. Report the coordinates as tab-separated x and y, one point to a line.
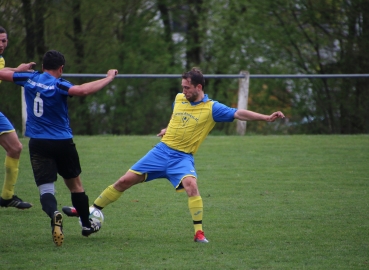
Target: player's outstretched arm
6	74
94	86
246	115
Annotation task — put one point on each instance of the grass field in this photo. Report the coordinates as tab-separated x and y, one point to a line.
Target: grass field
271	202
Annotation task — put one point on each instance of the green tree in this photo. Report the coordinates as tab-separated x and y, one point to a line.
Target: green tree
219	36
320	37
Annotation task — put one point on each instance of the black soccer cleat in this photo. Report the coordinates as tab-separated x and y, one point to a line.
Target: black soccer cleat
95	227
16	202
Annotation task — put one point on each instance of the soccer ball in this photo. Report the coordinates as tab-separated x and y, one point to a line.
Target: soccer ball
96	215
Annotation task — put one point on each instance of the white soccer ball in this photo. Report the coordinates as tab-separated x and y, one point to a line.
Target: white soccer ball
96	215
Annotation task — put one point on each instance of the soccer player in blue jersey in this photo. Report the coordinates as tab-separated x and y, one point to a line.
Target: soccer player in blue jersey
13	147
194	115
51	147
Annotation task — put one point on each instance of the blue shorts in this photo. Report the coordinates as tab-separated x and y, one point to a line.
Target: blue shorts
165	162
5	125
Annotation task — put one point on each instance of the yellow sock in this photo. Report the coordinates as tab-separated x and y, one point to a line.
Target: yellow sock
109	195
196	209
11	175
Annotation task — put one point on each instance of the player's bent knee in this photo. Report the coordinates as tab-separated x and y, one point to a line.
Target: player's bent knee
128	180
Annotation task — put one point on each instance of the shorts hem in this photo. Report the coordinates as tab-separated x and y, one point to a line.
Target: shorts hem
139	173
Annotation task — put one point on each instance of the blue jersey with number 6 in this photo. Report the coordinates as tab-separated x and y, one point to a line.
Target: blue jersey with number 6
47	108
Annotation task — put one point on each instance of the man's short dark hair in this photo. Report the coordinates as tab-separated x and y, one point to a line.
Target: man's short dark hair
196	77
2	30
53	60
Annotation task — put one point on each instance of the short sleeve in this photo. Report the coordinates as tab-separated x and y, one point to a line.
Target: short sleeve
21	78
223	113
63	86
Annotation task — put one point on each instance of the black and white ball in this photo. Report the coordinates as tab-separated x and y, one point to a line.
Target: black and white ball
95	215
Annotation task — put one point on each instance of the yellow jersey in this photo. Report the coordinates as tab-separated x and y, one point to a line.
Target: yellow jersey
2	63
191	122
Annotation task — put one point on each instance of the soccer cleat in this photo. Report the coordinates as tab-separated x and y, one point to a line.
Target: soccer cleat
57	228
70	211
16	202
200	237
95	227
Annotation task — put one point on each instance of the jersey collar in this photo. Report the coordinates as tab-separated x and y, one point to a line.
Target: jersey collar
206	98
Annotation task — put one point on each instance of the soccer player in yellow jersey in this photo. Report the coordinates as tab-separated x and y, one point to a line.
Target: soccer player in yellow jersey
13	147
194	115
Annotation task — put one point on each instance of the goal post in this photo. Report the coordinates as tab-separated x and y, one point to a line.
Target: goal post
243	95
24	113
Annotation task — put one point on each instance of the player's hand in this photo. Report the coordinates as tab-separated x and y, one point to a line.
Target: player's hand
275	116
162	132
112	73
26	66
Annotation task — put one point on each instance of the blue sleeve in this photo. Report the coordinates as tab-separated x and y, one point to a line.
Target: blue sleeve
21	78
223	113
63	86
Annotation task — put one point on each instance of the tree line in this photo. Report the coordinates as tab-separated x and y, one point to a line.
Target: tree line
220	37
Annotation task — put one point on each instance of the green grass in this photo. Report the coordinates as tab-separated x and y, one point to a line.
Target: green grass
271	202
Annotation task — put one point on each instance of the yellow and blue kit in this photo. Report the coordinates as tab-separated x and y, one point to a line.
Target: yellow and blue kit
191	122
5	125
2	62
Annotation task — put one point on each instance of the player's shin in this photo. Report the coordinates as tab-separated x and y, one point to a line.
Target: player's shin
49	204
109	195
11	175
80	203
196	209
